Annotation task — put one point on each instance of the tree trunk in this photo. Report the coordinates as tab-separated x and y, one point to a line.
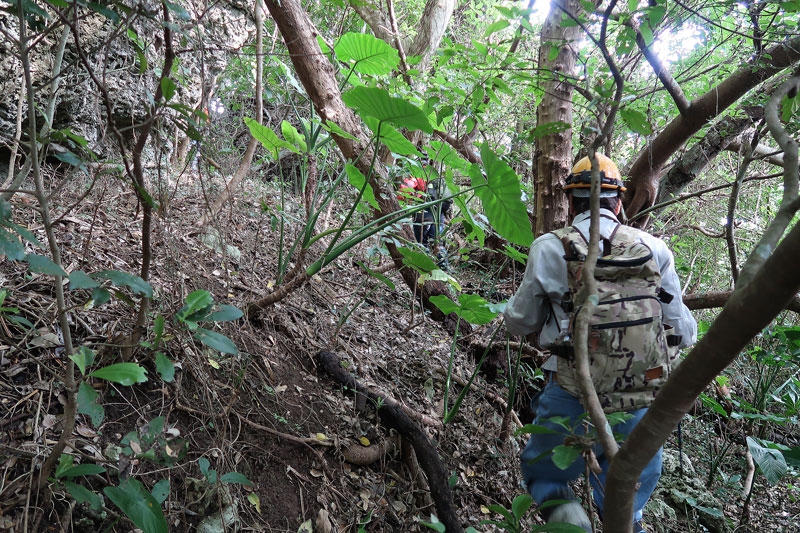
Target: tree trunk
694	161
646	169
430	29
746	313
319	80
553	155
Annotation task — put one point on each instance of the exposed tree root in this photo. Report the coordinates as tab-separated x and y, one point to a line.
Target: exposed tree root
394	416
359	455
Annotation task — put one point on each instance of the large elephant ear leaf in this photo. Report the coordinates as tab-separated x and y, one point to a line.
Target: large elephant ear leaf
371	55
501	198
374	102
391	138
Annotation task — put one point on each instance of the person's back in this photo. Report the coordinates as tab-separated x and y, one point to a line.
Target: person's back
543	304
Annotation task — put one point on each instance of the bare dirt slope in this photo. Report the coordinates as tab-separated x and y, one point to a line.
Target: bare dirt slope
312	451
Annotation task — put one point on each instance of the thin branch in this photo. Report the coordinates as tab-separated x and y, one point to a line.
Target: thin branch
662	72
397	42
70	407
734	197
789	202
683	197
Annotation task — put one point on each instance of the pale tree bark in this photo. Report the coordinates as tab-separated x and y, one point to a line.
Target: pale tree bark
692	163
553	155
648	165
318	77
712	300
247	158
762	151
430	29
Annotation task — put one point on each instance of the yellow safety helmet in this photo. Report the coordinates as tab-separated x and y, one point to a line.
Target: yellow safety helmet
579	182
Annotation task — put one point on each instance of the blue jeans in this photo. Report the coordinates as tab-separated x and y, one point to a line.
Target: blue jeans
544	479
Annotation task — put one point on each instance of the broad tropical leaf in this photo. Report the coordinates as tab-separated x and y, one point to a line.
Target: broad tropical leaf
357	179
392	138
291	134
269	139
374	102
417	260
471	307
501	198
769	460
371	55
138	505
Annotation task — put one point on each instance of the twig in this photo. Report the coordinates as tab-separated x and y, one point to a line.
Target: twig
732	201
663	73
789	203
683	197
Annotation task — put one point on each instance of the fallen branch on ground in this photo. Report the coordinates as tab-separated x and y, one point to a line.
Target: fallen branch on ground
394	416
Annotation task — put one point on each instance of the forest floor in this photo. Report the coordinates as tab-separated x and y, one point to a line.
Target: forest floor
314	454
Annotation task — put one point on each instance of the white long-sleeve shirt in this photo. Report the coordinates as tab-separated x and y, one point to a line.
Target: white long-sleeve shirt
536	306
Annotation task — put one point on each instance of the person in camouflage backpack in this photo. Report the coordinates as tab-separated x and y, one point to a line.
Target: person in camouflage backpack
640	323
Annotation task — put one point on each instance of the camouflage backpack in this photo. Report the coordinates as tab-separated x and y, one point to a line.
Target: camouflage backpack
629	353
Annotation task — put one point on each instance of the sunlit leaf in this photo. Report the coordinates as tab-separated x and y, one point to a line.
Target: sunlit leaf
357	179
636	121
269	139
371	55
417	260
293	136
374	102
392	138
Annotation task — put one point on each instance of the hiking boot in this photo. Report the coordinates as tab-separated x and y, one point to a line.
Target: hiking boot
570	513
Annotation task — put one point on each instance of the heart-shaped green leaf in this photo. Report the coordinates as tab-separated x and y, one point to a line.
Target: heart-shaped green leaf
374	102
371	55
501	198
